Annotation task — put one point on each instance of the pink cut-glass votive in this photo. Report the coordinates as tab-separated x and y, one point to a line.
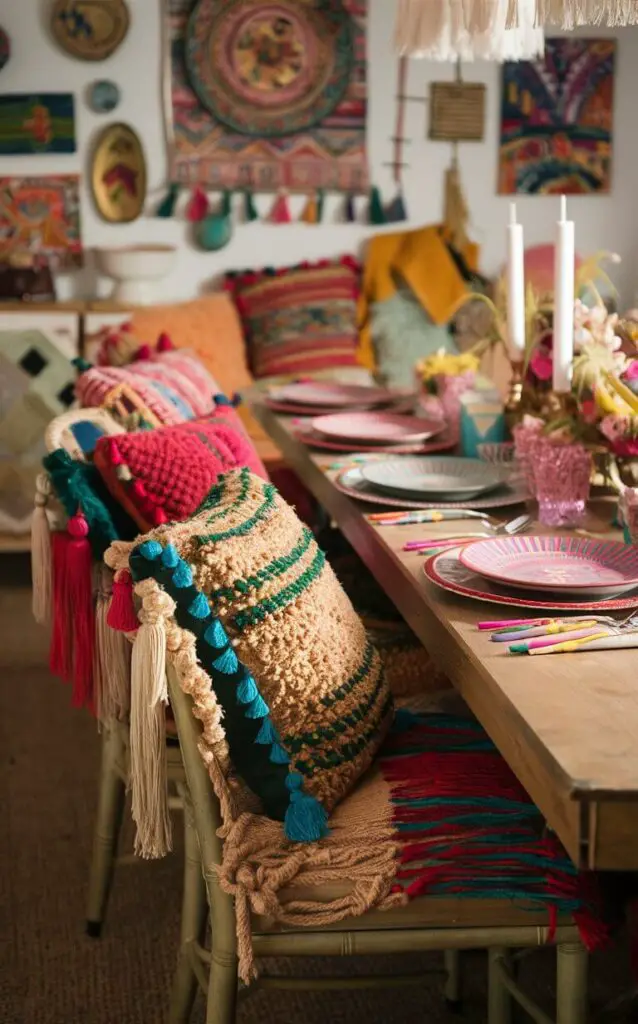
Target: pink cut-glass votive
562	474
528	439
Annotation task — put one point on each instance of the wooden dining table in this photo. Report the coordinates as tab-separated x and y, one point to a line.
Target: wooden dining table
567	724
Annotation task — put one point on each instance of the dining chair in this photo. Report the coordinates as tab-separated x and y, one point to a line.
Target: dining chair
505	930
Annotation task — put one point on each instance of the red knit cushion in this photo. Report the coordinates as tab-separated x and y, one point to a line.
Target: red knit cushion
163	475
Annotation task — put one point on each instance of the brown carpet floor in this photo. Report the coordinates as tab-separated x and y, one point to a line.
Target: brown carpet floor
51	973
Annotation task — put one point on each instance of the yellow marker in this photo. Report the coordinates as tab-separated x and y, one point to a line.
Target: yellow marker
568	645
566	627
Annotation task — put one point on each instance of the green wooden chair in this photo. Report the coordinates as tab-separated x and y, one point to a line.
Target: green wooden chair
426	924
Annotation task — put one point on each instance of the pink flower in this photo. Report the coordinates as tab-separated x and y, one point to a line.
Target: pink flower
626	449
541	364
589	410
631	372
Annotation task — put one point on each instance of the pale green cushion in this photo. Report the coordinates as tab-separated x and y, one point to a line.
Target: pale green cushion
402	333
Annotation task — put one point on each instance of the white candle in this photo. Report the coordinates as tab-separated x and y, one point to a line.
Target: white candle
564	260
515	287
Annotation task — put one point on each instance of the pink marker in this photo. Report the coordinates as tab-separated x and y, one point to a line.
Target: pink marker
558	638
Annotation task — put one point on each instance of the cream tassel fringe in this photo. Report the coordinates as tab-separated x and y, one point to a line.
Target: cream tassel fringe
148	725
112	665
569	14
41	571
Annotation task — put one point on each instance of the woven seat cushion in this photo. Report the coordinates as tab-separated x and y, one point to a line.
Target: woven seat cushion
163	475
299	319
304	698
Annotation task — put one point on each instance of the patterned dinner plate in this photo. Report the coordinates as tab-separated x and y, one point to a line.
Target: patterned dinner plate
376	427
440	443
562	565
446	478
328	393
449	573
353	483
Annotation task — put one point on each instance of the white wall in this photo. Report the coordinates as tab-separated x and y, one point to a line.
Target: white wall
601	222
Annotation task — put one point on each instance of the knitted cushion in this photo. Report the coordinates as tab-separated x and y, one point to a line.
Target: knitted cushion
302	690
299	319
163	475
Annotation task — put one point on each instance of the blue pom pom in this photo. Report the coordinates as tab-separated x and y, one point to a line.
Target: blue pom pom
183	575
150	549
170	556
278	755
226	662
267	733
216	635
221	400
306	820
257	708
199	607
247	690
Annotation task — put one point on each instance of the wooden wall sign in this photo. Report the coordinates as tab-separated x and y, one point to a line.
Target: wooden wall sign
457	111
118	174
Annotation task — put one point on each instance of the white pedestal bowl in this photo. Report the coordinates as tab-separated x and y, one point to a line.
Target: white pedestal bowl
136	269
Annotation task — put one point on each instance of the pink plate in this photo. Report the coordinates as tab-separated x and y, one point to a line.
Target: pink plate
441	443
449	573
562	565
378	427
329	393
353	483
400	403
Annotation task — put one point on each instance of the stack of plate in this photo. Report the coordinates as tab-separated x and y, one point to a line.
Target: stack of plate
375	430
433	482
557	572
314	398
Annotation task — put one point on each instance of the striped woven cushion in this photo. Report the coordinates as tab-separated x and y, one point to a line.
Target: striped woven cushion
299	319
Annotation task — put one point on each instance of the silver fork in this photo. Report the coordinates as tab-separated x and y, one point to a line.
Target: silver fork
509	529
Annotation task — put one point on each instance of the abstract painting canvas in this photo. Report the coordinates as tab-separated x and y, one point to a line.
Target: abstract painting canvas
265	96
32	123
41	217
556	119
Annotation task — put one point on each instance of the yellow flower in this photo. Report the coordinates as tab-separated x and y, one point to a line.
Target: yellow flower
446	364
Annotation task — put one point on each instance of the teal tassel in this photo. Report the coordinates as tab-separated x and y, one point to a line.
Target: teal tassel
250	210
226	203
404	720
257	708
396	210
167	206
81	364
278	755
183	575
350	214
170	557
226	662
247	691
375	212
306	820
216	635
321	196
199	607
150	549
267	733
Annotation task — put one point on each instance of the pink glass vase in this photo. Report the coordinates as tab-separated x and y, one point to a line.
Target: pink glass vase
562	475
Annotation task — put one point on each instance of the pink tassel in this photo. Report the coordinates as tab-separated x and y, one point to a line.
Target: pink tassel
197	207
280	213
164	343
121	614
143	353
81	614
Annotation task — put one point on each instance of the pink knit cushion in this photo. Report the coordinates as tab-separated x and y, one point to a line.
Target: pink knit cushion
163	475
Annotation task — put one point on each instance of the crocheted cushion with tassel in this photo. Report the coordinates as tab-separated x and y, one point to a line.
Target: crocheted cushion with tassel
302	690
299	319
163	475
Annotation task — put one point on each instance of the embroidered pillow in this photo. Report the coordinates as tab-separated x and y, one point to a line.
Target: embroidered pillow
163	475
299	319
302	691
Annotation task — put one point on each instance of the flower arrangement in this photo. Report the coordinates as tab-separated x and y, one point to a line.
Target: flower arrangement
445	364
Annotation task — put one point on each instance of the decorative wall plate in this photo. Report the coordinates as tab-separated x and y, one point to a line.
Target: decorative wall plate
89	29
5	48
118	174
269	69
103	96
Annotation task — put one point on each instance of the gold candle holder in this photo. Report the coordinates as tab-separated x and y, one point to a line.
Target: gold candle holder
515	394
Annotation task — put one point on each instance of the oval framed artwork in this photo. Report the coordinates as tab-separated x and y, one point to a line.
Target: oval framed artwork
90	29
118	174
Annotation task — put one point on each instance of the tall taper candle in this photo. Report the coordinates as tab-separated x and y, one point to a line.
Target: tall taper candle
564	259
515	287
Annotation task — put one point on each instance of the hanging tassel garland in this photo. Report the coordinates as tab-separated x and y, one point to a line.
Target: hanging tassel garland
375	211
309	213
41	569
280	213
350	214
197	207
250	210
395	211
79	593
148	741
167	206
122	615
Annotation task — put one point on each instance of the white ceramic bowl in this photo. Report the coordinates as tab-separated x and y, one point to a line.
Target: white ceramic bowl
135	269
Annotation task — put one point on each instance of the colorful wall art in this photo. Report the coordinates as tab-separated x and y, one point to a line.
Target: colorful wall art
557	115
265	96
32	123
41	216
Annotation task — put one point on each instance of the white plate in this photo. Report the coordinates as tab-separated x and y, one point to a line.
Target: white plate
440	477
331	394
351	482
376	427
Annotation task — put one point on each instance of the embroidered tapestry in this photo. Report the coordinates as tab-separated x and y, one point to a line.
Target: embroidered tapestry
41	216
265	96
37	123
556	119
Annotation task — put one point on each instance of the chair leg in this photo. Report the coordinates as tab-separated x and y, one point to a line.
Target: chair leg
222	988
110	811
194	912
452	988
571	983
499	1000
